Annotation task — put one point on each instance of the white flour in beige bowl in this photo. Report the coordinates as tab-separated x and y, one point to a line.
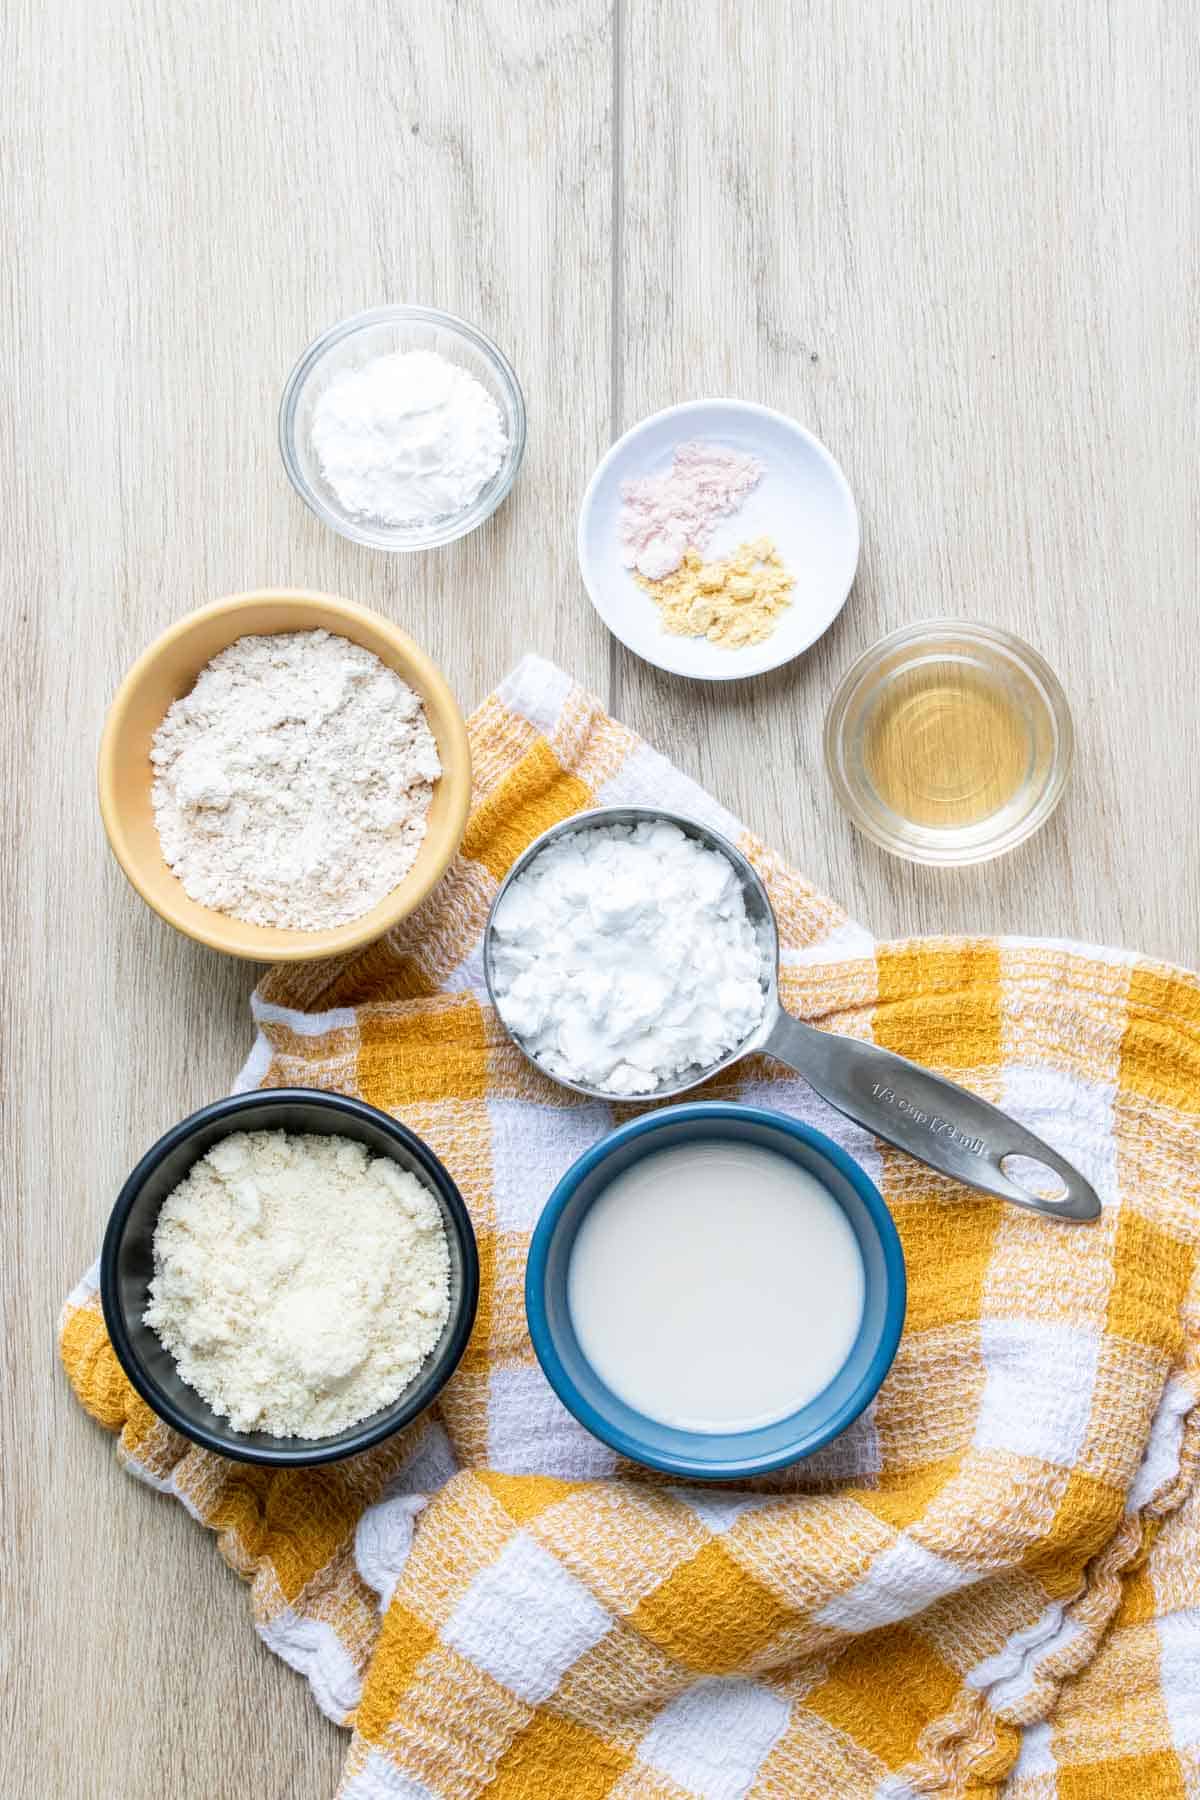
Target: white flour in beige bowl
292	785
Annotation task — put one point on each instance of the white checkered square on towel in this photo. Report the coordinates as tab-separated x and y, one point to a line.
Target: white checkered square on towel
1160	1462
894	1787
530	1431
1073	1115
380	1779
525	1620
538	691
532	1148
646	778
712	1740
902	1580
1179	1673
1037	1397
845	943
799	1101
720	1512
468	977
854	1455
1035	1756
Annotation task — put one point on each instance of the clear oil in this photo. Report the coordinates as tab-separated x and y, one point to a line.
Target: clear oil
947	744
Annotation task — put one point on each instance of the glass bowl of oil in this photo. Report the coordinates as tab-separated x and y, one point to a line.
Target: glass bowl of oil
949	743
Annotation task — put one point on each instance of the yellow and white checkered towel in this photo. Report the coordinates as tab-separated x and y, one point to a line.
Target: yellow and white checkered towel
989	1585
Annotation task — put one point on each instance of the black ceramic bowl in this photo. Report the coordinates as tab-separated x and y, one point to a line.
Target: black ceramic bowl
127	1265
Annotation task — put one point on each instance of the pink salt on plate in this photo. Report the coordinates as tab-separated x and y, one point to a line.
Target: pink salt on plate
661	515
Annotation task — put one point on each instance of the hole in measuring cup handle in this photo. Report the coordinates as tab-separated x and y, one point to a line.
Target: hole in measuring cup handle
1037	1178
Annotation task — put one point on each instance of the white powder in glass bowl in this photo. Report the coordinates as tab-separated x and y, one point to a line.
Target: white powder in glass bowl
408	438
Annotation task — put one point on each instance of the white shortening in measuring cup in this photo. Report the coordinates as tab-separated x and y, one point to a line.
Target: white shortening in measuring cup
934	1120
623	957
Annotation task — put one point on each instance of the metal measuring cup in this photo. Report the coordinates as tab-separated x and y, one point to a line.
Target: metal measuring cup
935	1121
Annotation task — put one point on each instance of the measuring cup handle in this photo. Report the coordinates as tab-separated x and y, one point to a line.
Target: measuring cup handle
934	1120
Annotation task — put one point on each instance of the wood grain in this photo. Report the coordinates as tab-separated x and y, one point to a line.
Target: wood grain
957	242
960	245
191	193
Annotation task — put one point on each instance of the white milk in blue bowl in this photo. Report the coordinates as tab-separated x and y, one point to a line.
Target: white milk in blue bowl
716	1286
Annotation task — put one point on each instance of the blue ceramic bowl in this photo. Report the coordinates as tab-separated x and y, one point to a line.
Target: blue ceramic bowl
714	1456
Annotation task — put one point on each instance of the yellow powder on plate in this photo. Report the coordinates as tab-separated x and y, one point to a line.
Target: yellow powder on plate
734	602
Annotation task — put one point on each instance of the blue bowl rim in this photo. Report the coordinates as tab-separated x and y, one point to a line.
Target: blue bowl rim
623	1442
286	1452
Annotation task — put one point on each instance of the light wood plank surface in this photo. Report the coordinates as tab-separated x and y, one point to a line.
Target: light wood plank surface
959	243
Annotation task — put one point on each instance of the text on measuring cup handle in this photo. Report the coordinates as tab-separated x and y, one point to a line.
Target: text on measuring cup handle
934	1123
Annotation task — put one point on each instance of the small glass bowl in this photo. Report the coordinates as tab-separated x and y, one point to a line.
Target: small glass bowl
1037	723
355	341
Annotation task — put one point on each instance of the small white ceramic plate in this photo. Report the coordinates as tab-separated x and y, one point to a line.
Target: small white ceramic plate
803	503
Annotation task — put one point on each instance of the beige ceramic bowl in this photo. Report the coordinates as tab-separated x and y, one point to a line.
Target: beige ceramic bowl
167	671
